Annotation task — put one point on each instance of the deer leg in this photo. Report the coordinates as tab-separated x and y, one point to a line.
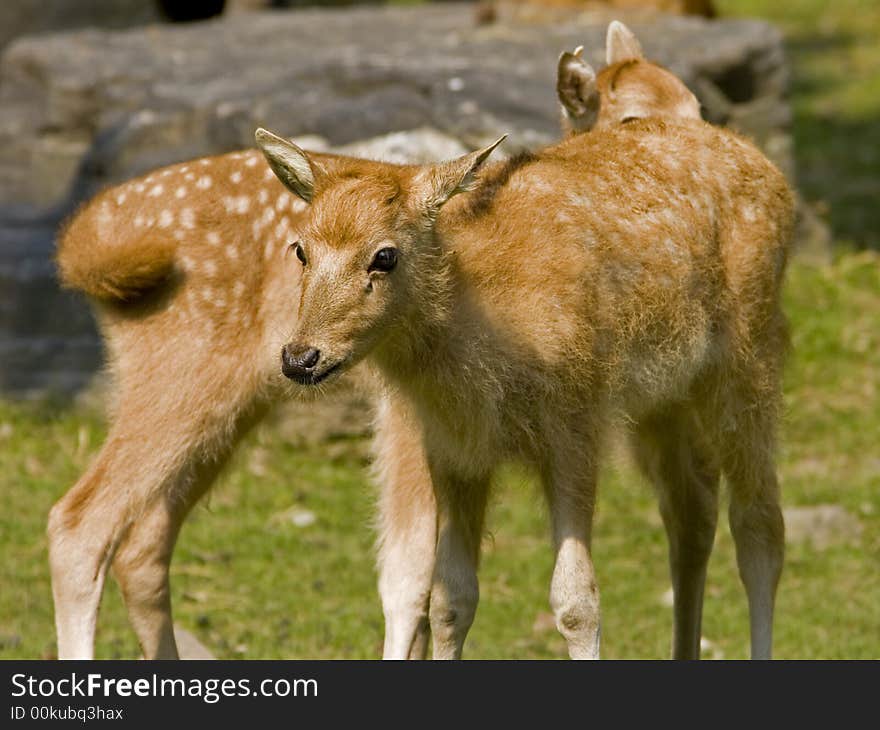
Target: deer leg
407	532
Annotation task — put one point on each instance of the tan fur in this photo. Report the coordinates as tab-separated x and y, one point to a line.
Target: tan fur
190	277
195	294
628	88
634	273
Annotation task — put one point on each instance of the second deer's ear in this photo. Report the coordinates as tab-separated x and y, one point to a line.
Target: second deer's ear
435	184
621	44
292	165
576	89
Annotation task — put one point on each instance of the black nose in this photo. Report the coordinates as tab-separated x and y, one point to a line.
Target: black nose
298	361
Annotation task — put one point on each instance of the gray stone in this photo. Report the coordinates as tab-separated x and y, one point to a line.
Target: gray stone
417	146
26	17
90	108
189	647
821	526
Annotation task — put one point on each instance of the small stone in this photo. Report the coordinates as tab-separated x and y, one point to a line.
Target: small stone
709	650
296	516
189	647
303	518
821	526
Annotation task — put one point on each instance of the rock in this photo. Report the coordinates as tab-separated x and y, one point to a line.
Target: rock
425	144
341	415
26	17
709	650
821	526
90	108
189	647
296	516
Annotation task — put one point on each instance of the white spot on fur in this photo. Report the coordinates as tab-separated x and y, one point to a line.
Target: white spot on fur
187	218
282	202
184	168
139	187
104	217
204	182
213	238
165	173
279	230
149	179
179	235
297	205
231	252
749	214
263	197
180	192
237	204
210	267
238	289
156	191
252	160
190	176
139	221
120	199
268	175
166	218
204	162
235	177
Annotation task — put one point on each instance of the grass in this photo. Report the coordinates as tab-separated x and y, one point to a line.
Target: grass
250	585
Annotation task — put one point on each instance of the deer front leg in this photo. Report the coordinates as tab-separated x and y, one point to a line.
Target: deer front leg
407	532
461	508
574	595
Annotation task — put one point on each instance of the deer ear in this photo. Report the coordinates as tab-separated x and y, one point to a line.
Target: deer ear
292	165
621	44
576	89
436	184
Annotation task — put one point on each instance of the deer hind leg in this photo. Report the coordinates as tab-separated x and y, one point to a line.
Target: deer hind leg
574	593
407	532
141	566
82	539
455	592
755	515
138	481
671	450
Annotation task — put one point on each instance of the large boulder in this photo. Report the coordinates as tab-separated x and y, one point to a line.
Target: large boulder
85	109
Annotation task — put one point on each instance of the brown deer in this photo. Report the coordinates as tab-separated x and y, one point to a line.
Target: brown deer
634	274
185	257
629	87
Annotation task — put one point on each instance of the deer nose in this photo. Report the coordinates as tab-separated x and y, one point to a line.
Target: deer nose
298	361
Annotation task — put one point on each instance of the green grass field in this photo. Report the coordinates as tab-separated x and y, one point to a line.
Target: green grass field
251	585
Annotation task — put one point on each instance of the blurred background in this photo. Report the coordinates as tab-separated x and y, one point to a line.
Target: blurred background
280	564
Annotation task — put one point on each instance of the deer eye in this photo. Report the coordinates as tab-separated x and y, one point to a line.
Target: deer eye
384	260
298	250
